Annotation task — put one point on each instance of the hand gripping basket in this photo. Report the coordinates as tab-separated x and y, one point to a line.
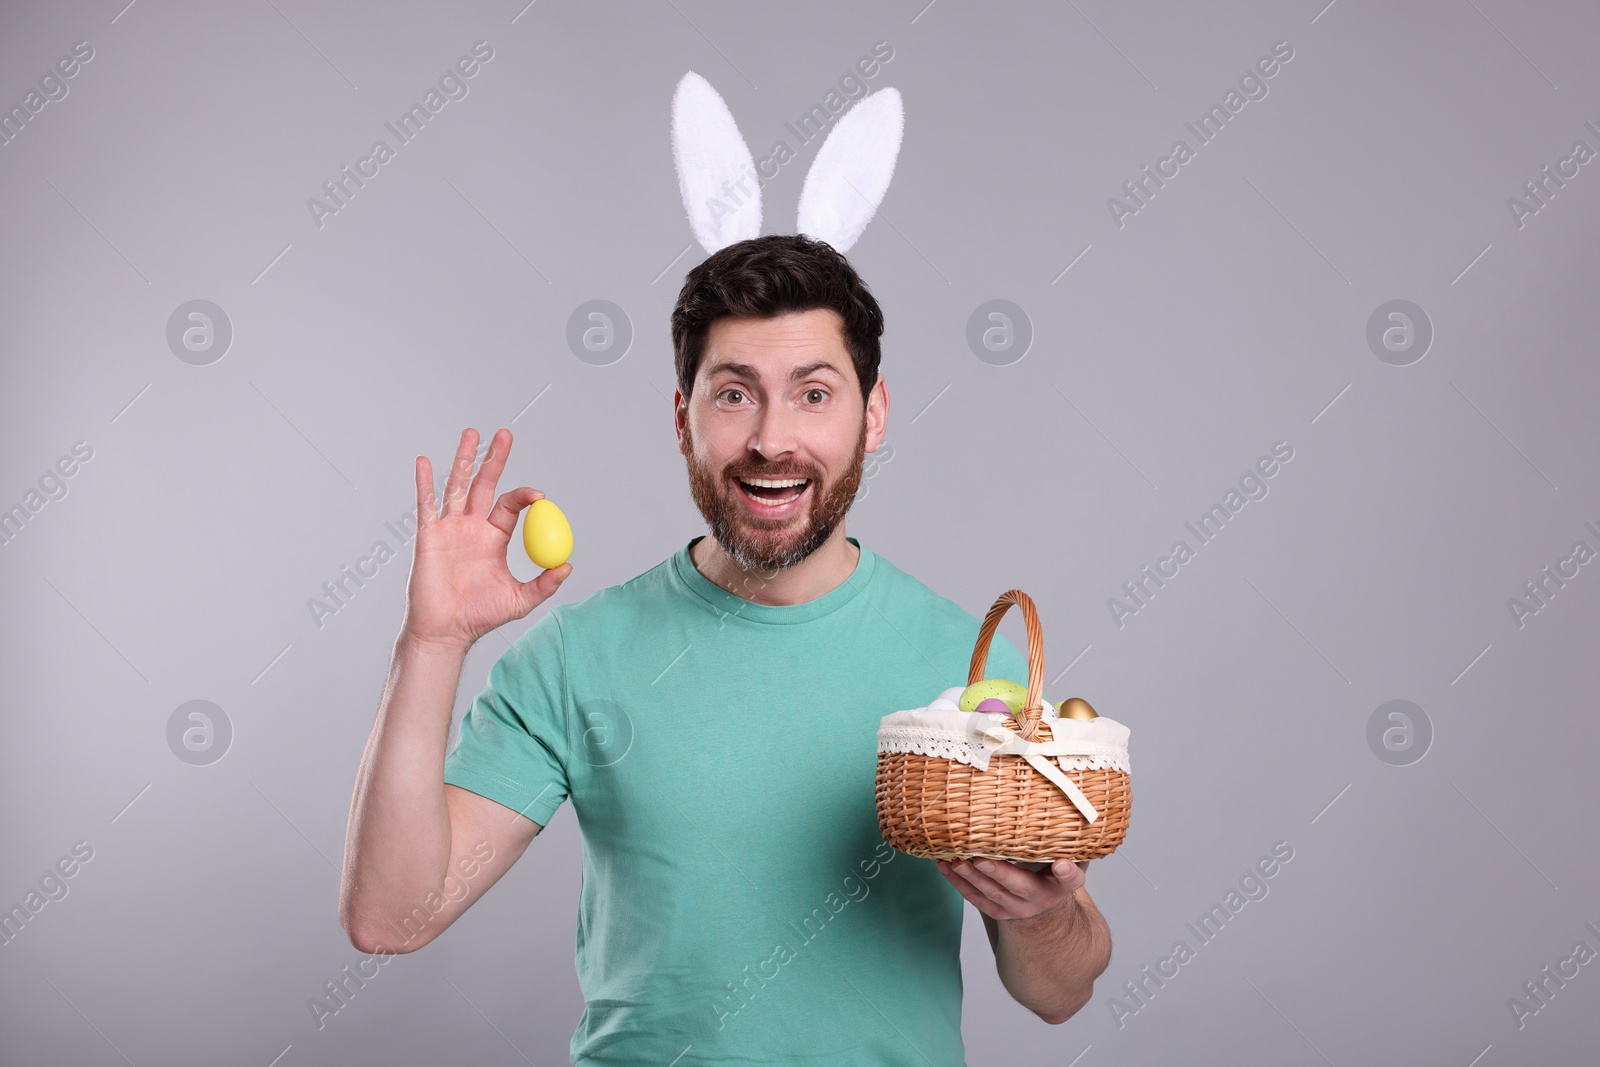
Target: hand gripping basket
954	785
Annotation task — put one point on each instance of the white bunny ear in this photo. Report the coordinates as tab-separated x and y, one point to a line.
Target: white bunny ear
851	173
716	173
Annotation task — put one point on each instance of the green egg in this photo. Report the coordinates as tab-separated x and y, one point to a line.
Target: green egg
1013	694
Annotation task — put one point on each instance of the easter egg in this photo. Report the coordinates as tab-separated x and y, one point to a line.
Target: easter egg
546	534
1077	708
1012	694
988	704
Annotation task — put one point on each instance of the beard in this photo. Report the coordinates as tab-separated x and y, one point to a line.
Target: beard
768	546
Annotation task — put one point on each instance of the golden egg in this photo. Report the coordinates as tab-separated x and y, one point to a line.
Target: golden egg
1076	708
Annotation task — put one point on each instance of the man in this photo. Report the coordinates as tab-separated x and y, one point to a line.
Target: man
713	721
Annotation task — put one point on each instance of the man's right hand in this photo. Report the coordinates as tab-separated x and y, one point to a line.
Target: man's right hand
460	586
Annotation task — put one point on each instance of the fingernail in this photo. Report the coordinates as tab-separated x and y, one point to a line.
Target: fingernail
985	865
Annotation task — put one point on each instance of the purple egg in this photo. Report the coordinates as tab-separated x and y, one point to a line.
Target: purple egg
994	704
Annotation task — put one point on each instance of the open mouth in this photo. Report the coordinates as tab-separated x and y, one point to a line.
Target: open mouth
773	493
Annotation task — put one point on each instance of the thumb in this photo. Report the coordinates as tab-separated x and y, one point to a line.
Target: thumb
542	588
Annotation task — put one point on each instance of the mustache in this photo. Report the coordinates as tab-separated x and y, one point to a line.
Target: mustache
772	474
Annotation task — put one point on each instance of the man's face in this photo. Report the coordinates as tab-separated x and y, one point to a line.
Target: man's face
777	399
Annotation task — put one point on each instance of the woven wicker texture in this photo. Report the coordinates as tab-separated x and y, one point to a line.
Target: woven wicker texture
944	809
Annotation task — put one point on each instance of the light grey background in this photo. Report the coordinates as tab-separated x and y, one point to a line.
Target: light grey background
1228	314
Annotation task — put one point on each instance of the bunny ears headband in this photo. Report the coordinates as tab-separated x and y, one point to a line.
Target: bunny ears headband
722	189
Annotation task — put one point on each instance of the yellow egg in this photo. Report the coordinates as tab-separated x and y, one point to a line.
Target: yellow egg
546	534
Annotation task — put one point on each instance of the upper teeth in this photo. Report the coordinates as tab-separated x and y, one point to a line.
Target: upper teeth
773	483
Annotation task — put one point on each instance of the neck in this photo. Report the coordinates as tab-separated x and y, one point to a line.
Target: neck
821	572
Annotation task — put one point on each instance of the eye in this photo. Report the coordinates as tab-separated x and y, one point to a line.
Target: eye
821	394
735	392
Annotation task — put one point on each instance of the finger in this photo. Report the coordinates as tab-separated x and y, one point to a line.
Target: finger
971	893
1069	874
482	491
427	503
510	505
455	486
994	889
1013	879
964	882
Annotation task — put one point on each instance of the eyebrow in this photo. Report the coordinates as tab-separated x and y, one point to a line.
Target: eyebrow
744	370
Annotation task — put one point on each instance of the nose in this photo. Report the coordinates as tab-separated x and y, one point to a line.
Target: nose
774	433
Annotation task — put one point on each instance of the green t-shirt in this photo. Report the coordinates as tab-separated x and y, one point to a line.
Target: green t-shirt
739	904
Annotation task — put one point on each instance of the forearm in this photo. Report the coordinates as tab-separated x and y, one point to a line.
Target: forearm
397	843
1049	962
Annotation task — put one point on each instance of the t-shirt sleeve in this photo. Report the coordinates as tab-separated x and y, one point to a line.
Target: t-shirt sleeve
512	746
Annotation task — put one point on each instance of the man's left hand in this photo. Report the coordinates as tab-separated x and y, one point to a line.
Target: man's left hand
1003	890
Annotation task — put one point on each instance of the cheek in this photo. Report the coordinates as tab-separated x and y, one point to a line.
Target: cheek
713	447
841	447
837	442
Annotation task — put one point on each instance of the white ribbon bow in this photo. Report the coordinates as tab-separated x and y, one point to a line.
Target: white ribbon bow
1001	741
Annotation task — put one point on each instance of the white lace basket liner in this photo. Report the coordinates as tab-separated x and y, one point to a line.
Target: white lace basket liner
971	738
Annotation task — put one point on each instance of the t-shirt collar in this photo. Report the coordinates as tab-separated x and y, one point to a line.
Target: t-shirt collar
723	601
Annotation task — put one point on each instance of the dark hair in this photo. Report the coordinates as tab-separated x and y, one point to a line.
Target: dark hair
769	276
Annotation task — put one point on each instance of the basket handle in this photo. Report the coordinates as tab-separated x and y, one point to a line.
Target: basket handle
1032	709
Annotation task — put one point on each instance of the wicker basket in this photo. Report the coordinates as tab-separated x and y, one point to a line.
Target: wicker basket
1020	808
